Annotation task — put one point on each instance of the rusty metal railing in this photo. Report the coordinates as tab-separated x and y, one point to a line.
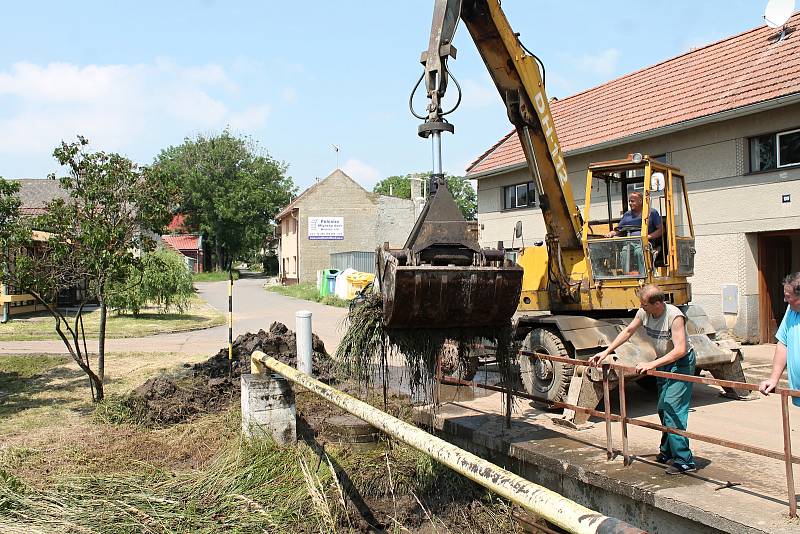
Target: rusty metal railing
533	498
786	455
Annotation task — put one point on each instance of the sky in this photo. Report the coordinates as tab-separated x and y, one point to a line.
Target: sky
299	77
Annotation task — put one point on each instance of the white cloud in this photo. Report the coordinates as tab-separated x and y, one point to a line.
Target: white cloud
62	82
604	63
252	117
290	67
361	172
559	86
193	106
120	106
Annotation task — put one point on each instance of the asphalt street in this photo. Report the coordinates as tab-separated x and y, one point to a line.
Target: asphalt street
254	308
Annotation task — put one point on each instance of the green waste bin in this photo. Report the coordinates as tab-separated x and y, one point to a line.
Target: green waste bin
328	282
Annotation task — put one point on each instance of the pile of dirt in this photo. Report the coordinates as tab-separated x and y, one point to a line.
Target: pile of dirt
279	342
211	386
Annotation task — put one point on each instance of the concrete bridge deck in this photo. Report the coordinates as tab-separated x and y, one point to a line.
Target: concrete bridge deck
732	491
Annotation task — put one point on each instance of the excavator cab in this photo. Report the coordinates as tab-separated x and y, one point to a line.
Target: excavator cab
661	245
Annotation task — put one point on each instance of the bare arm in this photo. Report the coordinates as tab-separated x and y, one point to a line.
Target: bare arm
621	338
778	366
678	348
658	232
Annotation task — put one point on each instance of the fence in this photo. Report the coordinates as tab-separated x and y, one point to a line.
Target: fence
619	373
360	261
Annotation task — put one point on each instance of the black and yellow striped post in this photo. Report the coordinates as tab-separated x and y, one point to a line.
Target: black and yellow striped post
230	319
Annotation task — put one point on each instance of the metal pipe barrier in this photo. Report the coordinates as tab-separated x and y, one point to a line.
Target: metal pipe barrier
536	499
786	455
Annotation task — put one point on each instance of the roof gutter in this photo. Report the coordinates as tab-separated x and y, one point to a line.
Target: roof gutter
750	109
285	212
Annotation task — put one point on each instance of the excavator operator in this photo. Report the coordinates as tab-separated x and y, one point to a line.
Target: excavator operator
631	222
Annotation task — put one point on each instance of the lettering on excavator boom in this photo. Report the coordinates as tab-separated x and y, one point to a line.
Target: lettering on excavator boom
546	120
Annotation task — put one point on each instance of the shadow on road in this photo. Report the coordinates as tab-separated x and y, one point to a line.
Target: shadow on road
253	274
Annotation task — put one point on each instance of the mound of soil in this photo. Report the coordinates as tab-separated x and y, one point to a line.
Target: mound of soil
163	400
211	386
279	342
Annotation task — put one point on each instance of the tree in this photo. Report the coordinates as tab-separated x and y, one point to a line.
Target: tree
95	237
9	210
228	191
161	278
462	190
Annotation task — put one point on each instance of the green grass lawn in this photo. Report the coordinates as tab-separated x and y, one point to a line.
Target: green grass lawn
309	291
214	276
41	326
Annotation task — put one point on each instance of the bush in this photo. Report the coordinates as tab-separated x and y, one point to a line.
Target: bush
162	279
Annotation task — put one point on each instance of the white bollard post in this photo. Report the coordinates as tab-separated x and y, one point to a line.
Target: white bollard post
303	335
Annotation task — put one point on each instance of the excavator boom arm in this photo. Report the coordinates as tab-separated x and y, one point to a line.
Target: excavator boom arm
517	77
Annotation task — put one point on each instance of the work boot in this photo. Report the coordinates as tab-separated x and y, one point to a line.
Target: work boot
678	469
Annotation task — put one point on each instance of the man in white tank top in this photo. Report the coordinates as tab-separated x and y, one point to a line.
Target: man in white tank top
665	326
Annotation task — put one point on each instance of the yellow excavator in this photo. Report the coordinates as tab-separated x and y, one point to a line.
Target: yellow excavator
576	290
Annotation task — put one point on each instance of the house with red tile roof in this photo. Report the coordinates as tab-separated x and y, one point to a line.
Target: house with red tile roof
178	224
728	115
190	246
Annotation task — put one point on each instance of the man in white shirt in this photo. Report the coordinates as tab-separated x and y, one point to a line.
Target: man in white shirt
665	326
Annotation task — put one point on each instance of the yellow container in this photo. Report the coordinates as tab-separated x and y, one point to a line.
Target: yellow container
356	282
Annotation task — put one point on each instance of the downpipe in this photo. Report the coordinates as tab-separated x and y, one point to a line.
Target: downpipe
535	499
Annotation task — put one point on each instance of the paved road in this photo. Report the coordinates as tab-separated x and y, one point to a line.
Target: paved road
253	308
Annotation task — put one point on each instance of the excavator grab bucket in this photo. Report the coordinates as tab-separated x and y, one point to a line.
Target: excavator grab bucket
442	278
429	296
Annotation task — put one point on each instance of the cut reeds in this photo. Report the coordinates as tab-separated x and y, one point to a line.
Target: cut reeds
368	346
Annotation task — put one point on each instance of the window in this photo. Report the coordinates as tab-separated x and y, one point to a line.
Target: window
773	151
788	148
519	196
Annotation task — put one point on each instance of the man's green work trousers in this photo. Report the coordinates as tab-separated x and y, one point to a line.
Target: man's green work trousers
673	409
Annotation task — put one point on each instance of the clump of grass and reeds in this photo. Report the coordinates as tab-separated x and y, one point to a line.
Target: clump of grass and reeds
115	410
309	291
256	487
214	276
368	343
247	489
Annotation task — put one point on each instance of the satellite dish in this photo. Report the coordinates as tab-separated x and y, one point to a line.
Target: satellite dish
778	12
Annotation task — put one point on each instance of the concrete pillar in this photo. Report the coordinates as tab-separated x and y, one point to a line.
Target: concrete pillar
303	336
268	408
5	305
